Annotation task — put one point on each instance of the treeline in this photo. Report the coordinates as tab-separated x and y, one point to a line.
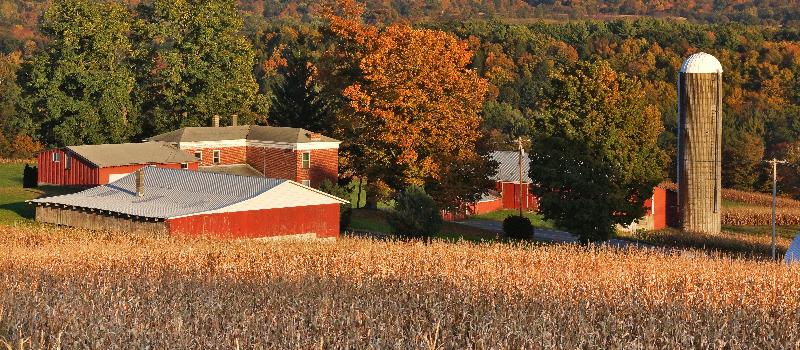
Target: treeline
112	72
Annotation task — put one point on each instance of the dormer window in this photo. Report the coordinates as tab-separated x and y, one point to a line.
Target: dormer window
306	160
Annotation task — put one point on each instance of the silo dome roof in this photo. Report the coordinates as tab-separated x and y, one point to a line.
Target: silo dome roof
701	63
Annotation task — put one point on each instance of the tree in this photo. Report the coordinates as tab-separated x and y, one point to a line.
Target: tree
24	147
346	209
194	63
415	214
78	89
10	93
296	101
742	153
412	111
595	151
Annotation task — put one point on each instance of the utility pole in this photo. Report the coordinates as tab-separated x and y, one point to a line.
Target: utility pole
774	163
521	151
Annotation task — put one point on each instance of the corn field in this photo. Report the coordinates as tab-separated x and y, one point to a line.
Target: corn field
759	216
66	288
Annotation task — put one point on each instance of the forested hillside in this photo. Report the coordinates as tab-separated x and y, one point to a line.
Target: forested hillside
144	77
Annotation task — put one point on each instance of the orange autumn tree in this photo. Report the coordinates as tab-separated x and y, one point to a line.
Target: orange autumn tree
411	111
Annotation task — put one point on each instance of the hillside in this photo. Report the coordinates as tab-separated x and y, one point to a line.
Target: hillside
18	18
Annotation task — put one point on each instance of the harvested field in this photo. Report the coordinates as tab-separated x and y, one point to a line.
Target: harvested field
76	289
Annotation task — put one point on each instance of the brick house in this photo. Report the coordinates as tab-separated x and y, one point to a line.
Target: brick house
274	152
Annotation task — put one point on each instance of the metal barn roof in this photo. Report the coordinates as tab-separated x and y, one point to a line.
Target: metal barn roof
248	132
167	193
508	166
131	153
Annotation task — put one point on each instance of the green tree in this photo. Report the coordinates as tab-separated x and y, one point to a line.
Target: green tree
10	93
595	150
296	101
78	89
193	63
742	153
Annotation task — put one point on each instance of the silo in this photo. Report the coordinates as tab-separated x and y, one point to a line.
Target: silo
700	143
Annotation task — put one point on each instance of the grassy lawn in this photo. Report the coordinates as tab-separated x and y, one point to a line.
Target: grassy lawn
13	209
537	219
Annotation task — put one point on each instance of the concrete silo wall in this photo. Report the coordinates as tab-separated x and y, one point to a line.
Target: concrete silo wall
700	151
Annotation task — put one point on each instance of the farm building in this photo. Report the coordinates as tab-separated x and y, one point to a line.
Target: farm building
276	152
507	188
92	165
181	202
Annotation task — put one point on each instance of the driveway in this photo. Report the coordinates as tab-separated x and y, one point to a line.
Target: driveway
547	235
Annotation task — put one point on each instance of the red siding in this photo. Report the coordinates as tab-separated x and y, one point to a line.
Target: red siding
511	198
83	173
106	172
320	219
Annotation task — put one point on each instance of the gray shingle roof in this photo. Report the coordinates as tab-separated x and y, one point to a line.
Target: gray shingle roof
167	193
249	132
508	166
131	153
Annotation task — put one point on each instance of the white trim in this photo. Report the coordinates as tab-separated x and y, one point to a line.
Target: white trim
213	144
302	146
302	161
307	146
288	194
216	156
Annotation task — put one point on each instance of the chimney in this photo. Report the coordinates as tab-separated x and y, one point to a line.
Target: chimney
235	120
215	121
140	183
314	136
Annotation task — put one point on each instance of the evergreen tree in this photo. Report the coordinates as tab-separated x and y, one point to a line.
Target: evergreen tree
296	101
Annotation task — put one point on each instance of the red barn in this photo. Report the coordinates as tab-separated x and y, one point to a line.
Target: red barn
276	152
192	203
92	165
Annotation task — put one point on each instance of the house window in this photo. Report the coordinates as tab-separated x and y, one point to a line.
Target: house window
56	157
307	183
67	161
306	160
216	156
184	165
198	155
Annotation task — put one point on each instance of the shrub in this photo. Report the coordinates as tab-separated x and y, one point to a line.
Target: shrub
415	214
518	227
29	176
345	210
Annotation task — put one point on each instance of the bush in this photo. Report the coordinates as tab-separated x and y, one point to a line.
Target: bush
415	214
518	227
29	176
345	210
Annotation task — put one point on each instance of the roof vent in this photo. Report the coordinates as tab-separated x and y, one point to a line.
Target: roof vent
314	136
140	183
215	121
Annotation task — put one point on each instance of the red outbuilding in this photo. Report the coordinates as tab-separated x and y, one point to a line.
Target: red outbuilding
191	203
92	165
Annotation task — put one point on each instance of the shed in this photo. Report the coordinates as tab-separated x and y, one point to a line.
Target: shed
182	202
91	165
